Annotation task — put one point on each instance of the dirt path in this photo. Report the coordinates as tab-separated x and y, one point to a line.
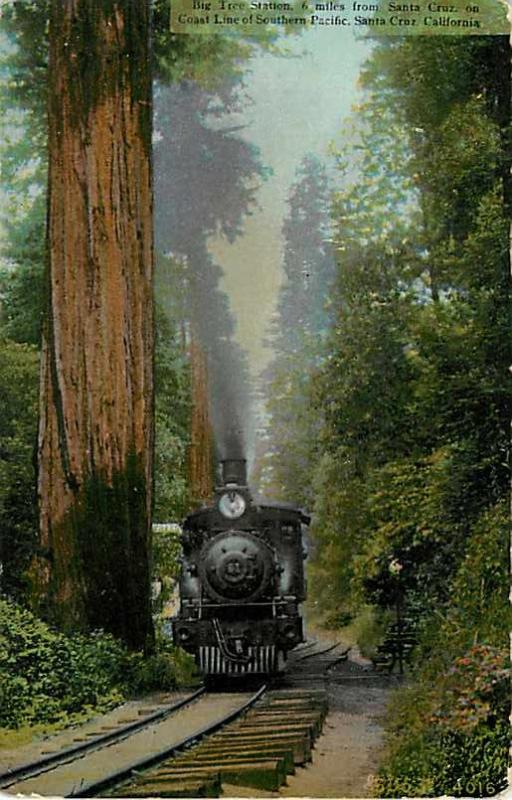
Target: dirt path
345	756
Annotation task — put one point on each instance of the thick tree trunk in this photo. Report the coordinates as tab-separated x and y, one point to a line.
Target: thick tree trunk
96	427
201	445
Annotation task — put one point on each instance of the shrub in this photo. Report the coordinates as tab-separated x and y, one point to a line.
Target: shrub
450	762
46	676
449	733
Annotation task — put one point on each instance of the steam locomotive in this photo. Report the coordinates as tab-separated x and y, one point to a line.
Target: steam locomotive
242	580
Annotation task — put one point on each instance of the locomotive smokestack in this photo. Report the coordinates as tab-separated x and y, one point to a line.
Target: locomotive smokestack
234	470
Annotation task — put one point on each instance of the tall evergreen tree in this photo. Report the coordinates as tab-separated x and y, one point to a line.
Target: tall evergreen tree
308	261
24	163
96	418
299	326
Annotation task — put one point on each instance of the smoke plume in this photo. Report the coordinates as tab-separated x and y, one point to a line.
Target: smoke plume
206	177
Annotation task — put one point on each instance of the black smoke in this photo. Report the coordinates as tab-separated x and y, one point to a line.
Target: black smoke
206	178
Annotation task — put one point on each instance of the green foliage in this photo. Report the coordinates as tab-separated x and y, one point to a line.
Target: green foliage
367	628
19	369
47	677
284	473
480	611
448	762
413	391
461	752
449	733
167	668
336	512
166	553
172	439
419	512
172	422
23	168
477	686
166	562
411	399
201	58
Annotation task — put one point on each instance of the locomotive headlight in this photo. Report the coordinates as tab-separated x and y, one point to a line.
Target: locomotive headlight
232	505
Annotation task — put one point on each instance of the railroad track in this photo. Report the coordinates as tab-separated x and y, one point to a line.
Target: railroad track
87	768
106	735
314	665
191	747
259	750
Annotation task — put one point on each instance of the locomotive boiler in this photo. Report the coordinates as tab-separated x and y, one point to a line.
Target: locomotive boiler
242	580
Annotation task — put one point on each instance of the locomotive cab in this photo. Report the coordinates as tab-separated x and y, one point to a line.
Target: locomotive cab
242	580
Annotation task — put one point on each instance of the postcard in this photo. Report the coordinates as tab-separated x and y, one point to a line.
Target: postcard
255	351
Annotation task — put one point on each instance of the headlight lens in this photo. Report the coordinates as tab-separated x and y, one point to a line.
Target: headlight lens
232	505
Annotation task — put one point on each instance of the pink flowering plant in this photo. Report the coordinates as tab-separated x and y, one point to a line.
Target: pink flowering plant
477	689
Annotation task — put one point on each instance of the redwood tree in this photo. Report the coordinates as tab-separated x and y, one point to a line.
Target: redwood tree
96	425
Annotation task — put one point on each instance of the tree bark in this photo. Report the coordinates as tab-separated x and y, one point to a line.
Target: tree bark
96	415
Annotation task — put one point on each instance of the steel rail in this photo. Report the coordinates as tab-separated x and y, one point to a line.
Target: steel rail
303	646
322	653
339	658
33	768
95	788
